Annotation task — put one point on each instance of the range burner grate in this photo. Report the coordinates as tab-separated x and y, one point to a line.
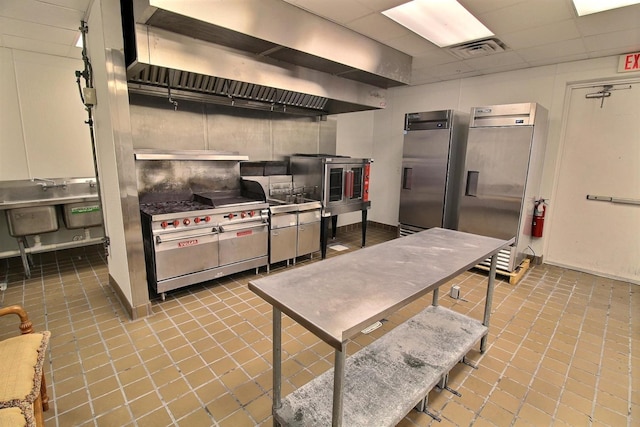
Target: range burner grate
173	206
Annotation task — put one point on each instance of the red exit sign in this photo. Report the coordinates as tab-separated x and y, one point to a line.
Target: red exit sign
629	62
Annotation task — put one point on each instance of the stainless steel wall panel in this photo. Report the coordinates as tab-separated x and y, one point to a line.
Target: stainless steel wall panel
294	135
156	124
260	135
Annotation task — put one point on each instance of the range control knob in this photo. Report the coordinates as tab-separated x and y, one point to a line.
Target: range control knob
186	221
230	216
164	224
207	218
243	215
176	223
252	213
197	220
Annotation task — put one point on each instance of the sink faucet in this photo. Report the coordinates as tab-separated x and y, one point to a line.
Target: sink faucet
43	181
49	183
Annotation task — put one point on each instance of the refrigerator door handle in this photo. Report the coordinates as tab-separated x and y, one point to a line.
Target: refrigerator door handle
407	175
472	183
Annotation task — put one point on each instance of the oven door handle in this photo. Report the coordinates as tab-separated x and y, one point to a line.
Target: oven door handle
224	228
160	239
260	218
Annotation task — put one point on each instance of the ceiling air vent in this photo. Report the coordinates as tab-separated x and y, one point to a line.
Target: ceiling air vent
477	48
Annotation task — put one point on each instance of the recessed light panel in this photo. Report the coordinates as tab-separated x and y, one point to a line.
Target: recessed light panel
587	7
442	22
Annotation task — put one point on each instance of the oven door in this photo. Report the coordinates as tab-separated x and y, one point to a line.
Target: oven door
243	241
345	183
184	252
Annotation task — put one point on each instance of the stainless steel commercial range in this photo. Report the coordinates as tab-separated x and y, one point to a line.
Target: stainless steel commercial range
341	183
503	171
197	224
294	221
432	166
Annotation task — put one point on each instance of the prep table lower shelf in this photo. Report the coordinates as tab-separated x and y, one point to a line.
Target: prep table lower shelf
389	377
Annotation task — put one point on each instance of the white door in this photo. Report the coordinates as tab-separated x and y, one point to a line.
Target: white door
600	156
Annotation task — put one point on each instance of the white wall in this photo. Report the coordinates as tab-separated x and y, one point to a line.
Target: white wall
353	138
546	85
42	129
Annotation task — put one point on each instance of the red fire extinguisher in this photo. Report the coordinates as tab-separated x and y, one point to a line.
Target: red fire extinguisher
539	209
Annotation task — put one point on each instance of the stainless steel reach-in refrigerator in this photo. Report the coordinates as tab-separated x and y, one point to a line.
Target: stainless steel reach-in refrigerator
433	151
503	171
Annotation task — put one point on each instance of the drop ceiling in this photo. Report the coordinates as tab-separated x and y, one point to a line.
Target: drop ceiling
534	33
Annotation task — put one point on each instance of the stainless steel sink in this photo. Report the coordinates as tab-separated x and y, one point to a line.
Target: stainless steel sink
82	214
32	220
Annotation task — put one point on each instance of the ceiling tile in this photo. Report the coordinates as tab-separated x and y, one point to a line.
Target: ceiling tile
555	60
378	27
477	7
524	15
433	57
495	60
612	20
452	68
337	11
380	5
619	39
557	31
553	51
411	44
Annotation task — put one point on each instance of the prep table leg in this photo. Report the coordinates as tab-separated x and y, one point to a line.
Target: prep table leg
338	380
489	300
277	362
364	226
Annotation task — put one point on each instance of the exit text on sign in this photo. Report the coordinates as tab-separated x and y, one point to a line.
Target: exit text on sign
629	62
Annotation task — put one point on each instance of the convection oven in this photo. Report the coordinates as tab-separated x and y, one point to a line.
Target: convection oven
341	183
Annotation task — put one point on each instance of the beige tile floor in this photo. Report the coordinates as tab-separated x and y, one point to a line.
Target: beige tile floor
564	349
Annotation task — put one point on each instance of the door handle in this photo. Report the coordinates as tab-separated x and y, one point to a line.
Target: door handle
160	239
407	178
472	183
225	228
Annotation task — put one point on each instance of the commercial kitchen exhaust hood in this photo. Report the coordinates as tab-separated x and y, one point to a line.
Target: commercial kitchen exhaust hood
261	54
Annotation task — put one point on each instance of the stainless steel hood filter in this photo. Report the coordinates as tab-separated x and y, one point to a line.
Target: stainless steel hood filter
177	84
264	54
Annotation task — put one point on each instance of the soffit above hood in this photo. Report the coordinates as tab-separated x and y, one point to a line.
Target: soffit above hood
260	47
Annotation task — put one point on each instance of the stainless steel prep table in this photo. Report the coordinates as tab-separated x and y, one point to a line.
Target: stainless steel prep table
337	298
